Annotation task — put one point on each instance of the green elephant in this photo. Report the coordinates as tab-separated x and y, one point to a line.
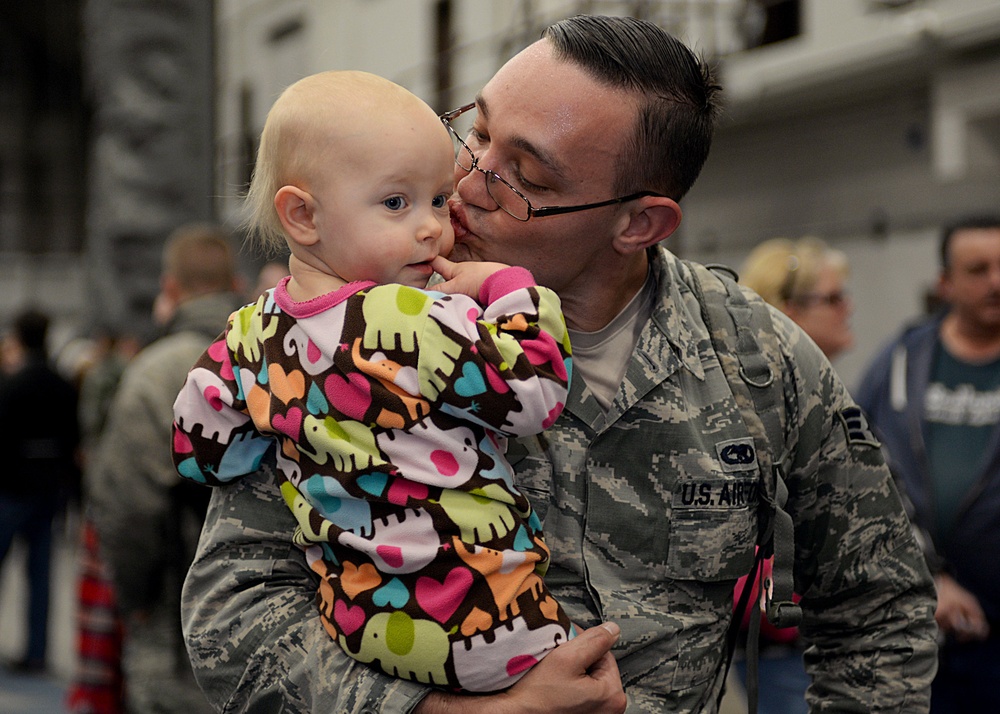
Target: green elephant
410	649
349	444
396	315
249	331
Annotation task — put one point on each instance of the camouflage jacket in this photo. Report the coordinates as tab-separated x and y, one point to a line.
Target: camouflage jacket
132	481
648	526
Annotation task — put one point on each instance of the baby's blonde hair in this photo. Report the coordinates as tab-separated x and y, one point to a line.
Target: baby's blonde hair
305	114
780	269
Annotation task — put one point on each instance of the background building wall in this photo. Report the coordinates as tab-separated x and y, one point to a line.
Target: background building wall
871	127
150	70
866	122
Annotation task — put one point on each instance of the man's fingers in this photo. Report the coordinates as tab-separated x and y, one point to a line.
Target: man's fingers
592	644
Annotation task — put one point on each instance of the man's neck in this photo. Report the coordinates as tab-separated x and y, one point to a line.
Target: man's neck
591	304
969	342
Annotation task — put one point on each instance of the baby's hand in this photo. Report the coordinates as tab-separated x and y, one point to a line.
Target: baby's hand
463	278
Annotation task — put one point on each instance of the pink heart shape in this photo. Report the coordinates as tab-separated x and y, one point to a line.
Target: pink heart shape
290	423
349	619
440	600
351	396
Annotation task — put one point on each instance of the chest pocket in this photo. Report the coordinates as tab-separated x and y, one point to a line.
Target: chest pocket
713	513
673	487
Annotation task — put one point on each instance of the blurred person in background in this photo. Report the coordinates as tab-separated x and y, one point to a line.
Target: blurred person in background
806	280
268	276
933	397
147	519
97	686
39	438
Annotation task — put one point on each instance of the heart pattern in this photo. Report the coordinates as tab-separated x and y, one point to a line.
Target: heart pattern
440	600
393	593
290	423
351	395
471	383
348	618
182	442
373	483
286	387
316	403
356	579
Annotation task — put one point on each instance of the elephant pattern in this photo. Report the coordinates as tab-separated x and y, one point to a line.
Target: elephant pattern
387	411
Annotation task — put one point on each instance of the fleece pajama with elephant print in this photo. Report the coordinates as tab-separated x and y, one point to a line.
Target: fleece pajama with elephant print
386	410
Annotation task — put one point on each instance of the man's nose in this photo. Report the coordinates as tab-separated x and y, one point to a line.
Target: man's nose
472	189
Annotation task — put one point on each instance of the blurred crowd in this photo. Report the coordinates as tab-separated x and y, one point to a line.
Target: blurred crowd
87	428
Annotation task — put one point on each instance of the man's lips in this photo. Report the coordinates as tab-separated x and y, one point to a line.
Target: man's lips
458	221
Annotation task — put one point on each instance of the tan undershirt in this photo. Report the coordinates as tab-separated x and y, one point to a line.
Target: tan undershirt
600	358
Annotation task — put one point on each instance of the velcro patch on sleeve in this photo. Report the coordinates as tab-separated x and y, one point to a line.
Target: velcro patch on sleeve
857	428
737	455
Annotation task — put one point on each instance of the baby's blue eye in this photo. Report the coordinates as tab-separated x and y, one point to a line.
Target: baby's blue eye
395	203
440	201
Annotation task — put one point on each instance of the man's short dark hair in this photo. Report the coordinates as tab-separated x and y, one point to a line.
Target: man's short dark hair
988	222
200	257
680	106
31	328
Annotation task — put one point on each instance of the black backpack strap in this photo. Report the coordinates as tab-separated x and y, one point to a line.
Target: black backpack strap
738	324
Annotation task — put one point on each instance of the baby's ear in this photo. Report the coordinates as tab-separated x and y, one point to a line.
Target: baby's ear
295	211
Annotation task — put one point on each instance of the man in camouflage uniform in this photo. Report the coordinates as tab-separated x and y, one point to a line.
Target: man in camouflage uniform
649	518
148	521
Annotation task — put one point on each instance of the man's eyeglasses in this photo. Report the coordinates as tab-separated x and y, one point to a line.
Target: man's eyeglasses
508	198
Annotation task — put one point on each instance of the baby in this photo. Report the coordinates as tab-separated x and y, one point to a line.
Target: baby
387	405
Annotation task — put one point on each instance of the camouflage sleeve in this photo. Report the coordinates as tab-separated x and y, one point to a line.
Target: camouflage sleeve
868	599
250	620
132	474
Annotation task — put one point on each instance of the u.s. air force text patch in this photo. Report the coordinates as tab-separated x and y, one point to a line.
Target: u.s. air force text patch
856	427
716	493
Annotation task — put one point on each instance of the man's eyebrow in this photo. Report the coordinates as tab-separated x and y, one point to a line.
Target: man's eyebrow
521	143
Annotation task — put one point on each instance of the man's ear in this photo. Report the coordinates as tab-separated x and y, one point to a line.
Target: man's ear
295	209
171	288
652	220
